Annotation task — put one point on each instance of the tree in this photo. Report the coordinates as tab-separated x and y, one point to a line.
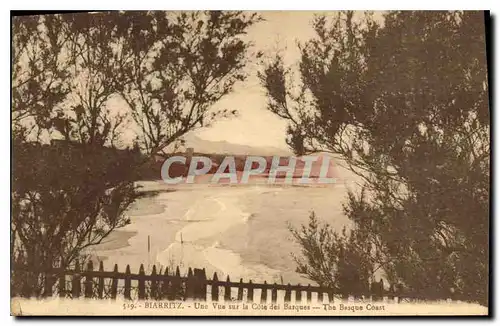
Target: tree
38	74
337	260
184	65
65	199
66	196
67	69
403	102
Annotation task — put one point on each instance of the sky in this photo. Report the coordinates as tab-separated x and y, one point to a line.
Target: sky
254	125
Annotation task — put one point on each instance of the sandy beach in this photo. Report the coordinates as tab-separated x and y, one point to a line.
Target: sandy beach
240	231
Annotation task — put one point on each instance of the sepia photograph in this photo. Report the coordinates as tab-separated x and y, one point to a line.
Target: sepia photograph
250	163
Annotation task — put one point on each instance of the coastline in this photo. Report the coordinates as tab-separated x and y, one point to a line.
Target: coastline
238	231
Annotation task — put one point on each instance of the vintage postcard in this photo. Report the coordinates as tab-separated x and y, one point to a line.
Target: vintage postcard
274	163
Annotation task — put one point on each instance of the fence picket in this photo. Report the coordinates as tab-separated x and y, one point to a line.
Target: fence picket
227	290
100	285
128	284
298	295
154	284
114	283
165	285
89	280
309	294
215	288
203	284
288	293
175	287
199	284
330	297
141	284
158	286
75	282
62	285
190	285
250	291
263	294
321	296
240	290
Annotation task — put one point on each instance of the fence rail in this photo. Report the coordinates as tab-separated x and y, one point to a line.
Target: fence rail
170	285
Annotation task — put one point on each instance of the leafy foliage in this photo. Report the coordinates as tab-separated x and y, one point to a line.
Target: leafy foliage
68	70
404	103
59	210
186	63
335	260
38	73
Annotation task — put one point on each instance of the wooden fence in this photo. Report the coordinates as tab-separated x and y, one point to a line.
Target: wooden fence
169	285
